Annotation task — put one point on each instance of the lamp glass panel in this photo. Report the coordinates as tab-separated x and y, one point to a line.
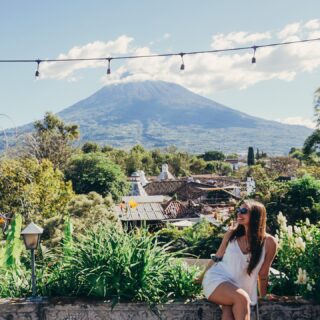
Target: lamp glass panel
31	240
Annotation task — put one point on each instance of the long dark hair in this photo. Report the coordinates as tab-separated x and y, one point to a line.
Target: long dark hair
257	231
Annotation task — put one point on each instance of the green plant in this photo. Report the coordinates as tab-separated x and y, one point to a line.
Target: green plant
298	259
13	284
120	266
52	140
11	252
250	159
90	209
95	172
200	240
37	191
180	282
14	277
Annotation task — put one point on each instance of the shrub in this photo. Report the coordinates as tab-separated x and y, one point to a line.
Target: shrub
90	209
298	259
200	240
111	264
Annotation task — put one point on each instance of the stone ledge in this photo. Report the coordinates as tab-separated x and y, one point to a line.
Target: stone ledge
86	309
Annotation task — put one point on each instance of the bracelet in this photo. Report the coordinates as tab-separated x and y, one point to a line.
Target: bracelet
216	258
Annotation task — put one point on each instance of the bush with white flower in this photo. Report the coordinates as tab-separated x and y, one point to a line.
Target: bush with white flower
298	259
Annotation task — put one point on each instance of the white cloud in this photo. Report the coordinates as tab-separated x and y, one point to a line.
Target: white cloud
289	30
204	73
223	41
298	121
96	49
313	24
166	36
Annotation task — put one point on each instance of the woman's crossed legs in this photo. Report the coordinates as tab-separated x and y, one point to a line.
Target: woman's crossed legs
235	301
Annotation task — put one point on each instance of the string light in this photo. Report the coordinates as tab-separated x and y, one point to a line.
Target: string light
182	63
182	66
37	74
109	67
254	60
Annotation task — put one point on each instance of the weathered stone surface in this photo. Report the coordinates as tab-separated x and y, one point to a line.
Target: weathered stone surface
75	309
19	310
296	310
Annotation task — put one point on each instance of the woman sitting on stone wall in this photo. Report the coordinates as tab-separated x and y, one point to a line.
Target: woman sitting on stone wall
244	256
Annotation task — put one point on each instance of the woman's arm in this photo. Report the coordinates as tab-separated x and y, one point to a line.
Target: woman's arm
271	249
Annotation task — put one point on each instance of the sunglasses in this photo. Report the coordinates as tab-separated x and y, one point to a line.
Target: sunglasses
242	210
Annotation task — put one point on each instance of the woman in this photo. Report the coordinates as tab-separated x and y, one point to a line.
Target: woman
244	256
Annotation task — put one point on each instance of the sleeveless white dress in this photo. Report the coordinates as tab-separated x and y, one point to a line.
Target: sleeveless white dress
233	269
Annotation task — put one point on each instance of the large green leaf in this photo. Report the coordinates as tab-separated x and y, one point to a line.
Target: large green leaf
13	246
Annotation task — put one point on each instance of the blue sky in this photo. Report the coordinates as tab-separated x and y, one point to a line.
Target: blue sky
279	86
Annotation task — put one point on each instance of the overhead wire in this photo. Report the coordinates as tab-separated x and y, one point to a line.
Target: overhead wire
181	54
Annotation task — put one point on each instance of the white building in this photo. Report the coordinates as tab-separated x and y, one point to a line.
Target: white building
165	174
136	188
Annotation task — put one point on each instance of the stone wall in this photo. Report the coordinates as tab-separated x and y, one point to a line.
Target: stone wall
68	309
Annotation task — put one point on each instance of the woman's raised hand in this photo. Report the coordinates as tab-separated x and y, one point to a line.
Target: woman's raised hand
232	227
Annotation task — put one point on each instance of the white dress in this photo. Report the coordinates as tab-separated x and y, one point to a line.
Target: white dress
233	269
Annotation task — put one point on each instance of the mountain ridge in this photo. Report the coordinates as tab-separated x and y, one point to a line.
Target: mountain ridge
157	114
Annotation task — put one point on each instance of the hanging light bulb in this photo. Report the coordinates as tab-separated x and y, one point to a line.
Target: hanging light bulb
254	60
182	63
109	68
37	74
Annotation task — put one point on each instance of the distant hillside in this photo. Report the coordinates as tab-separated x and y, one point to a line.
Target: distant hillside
158	114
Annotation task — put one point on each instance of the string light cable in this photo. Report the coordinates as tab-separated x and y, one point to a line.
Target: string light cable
180	54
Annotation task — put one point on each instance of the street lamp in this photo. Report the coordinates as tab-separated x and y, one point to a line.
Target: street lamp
31	236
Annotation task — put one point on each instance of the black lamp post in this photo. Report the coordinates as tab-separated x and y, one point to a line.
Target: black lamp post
31	236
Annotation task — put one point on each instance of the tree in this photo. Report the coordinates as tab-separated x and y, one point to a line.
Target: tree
296	154
95	172
298	199
213	155
90	147
232	156
37	191
283	166
250	156
117	156
218	167
317	107
302	200
313	171
106	149
91	209
197	166
33	189
257	154
52	140
304	192
312	143
179	163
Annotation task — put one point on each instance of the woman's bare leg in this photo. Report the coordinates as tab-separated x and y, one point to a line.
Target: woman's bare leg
227	313
229	295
